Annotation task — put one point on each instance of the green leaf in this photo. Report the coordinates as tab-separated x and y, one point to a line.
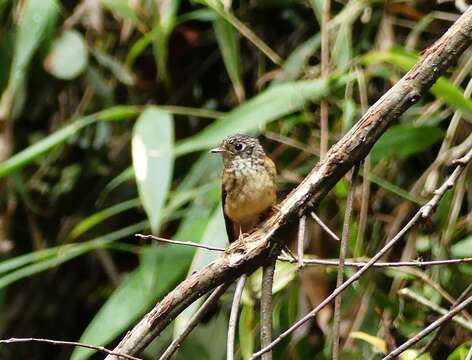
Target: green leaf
204	14
101	216
246	331
272	104
342	47
153	137
119	70
298	59
27	155
128	302
36	262
462	248
284	274
461	352
215	234
122	9
412	354
160	269
197	346
402	141
443	89
228	43
394	189
36	17
68	57
167	11
167	14
38	148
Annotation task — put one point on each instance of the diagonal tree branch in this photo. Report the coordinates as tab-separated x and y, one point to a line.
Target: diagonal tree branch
353	147
423	213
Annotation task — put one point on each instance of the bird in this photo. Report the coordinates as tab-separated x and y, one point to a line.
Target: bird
249	188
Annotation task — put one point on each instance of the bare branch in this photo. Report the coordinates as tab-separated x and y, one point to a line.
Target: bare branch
69	343
324	226
342	257
177	242
321	262
301	240
360	264
461	297
254	251
194	321
266	307
424	212
324	106
233	317
429	329
425	302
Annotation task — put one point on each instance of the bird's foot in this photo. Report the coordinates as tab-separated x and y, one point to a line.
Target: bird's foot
275	208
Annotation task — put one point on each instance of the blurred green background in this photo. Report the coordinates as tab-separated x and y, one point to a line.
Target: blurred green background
107	111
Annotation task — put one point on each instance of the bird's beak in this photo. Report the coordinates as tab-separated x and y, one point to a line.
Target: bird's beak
217	150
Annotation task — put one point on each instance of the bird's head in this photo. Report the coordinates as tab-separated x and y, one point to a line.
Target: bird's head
239	147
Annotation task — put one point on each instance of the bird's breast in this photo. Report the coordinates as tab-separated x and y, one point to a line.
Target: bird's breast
249	192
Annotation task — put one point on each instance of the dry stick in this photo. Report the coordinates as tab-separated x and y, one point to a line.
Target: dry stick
324	226
342	257
436	286
423	333
301	240
177	242
353	147
360	264
364	98
266	307
429	304
71	343
324	73
233	317
194	321
461	297
423	213
321	262
250	35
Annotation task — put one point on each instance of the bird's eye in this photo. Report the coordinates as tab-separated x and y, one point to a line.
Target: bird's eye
238	146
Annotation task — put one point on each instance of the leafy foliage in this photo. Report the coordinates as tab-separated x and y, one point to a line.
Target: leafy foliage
107	110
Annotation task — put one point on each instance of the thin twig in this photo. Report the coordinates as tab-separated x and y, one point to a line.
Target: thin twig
266	307
360	264
436	286
286	249
352	148
342	257
233	317
194	321
249	34
363	95
423	333
320	262
425	302
68	343
301	240
423	213
177	242
324	107
428	345
324	226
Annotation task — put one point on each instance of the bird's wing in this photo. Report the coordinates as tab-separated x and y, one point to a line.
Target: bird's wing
229	224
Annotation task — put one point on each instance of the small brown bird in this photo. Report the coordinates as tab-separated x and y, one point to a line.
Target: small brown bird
249	188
